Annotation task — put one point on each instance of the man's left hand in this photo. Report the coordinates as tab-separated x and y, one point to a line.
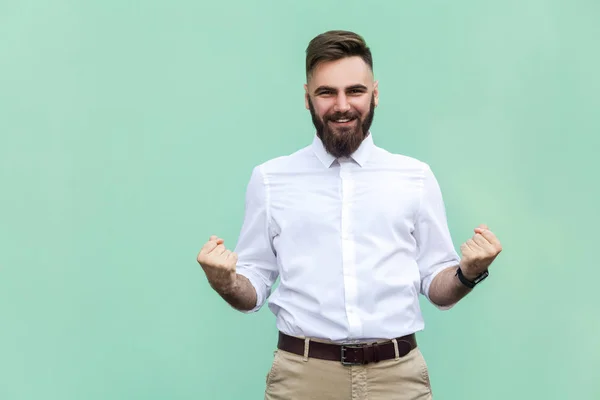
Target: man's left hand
479	252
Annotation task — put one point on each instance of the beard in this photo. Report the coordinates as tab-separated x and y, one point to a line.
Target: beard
342	141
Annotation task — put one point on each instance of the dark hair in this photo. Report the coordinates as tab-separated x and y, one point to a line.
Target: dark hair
335	45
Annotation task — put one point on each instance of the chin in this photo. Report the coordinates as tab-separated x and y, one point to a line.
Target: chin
343	131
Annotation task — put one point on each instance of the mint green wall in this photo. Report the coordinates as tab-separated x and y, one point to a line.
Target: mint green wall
128	133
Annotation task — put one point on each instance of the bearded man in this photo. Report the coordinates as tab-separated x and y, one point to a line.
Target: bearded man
355	234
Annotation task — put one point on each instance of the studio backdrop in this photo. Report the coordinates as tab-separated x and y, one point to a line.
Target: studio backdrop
128	132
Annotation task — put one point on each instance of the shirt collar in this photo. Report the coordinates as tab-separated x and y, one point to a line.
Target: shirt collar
361	155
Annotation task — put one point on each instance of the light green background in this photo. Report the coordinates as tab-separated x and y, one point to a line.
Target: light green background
128	134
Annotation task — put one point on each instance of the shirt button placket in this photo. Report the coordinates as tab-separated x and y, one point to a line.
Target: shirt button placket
349	250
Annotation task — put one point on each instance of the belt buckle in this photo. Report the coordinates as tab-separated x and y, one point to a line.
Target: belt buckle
343	354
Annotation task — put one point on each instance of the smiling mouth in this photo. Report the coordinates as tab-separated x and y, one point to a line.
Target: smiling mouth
342	121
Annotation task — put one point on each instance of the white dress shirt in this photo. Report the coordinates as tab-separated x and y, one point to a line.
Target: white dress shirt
353	242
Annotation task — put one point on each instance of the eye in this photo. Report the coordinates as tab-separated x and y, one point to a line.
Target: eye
325	93
356	91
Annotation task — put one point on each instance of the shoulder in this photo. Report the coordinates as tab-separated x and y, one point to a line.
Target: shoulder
261	174
284	163
403	162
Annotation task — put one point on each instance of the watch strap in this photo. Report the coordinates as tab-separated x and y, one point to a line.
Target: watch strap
468	283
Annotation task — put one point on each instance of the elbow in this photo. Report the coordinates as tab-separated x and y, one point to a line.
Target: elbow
444	305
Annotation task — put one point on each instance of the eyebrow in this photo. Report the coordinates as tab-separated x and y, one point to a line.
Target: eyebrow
332	89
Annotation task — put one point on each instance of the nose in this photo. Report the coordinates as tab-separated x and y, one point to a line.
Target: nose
341	103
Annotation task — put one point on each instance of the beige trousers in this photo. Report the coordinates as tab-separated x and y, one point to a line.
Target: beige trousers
292	377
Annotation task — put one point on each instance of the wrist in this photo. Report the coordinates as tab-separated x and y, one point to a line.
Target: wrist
468	275
470	278
468	272
226	287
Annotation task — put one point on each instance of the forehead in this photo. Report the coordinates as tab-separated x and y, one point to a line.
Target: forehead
341	73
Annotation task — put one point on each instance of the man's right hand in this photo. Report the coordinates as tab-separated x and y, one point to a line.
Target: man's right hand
218	264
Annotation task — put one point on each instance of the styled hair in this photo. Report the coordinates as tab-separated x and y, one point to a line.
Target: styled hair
335	45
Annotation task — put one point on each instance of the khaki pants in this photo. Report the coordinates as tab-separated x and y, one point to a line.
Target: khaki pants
293	378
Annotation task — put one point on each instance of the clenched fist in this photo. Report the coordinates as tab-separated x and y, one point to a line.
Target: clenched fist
479	252
218	264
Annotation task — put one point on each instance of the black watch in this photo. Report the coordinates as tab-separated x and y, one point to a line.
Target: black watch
468	283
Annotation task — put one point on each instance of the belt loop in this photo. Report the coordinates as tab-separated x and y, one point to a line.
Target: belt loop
306	346
397	353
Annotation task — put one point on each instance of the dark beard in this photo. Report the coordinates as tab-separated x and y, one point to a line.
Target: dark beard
344	141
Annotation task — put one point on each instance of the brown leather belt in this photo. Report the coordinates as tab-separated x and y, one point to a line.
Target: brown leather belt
348	354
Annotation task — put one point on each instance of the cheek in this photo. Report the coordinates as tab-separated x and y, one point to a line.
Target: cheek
362	107
323	108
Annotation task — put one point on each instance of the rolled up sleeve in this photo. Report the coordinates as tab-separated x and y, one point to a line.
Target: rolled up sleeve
435	248
257	260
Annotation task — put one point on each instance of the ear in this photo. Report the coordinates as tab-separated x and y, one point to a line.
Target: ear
306	97
376	93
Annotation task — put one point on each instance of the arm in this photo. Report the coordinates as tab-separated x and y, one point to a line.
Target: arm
257	260
241	295
219	265
478	253
244	278
446	289
436	257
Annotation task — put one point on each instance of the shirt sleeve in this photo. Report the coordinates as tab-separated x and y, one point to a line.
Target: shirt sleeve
435	248
256	256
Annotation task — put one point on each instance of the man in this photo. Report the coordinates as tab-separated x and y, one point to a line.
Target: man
355	234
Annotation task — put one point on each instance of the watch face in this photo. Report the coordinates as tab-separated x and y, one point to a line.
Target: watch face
481	277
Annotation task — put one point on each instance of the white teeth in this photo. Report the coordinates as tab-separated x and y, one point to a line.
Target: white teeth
342	120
